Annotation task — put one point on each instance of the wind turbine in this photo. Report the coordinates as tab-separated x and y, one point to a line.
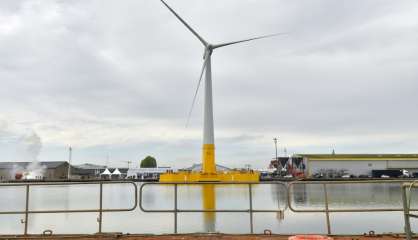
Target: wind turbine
208	151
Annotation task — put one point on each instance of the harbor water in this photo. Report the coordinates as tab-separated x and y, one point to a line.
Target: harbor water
235	197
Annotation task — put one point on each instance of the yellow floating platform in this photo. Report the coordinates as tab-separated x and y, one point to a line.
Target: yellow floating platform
230	176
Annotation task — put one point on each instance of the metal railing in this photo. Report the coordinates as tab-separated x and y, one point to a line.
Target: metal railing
288	190
406	201
176	210
327	210
99	210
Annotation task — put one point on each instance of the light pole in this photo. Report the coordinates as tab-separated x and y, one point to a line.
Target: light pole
275	144
70	150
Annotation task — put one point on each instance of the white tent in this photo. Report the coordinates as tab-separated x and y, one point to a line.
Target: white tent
116	172
106	172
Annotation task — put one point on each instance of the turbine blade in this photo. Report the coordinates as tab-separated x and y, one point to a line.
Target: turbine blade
246	40
185	24
197	90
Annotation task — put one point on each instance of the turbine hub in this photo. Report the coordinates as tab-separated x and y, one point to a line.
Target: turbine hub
209	49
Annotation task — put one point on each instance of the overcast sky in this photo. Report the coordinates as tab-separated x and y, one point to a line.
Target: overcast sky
115	79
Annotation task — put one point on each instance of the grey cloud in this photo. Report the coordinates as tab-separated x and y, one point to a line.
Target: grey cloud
346	68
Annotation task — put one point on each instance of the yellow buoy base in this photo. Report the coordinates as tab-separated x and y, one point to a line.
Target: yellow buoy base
230	176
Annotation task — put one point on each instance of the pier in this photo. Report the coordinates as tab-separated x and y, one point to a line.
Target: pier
194	236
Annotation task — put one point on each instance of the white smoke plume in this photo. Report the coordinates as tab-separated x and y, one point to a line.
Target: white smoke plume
28	147
32	145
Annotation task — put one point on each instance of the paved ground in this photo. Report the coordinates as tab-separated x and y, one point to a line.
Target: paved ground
192	236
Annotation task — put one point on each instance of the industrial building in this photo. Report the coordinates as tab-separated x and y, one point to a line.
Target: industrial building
86	171
55	170
286	162
33	170
147	173
357	164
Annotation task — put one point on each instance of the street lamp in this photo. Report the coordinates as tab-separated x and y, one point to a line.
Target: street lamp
70	150
275	144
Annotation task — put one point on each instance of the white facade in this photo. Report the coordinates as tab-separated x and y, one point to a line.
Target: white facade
139	172
360	167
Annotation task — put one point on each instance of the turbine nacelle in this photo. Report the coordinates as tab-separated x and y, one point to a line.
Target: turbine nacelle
208	50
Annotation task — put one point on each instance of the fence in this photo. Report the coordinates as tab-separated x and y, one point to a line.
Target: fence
406	201
289	189
327	210
176	210
99	210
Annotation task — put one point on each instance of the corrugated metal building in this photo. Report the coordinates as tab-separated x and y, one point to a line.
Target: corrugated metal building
53	170
359	164
87	171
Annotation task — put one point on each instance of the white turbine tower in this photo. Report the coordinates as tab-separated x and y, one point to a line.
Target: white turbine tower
208	153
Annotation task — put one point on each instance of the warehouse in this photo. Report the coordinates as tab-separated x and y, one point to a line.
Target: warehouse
86	171
33	170
334	165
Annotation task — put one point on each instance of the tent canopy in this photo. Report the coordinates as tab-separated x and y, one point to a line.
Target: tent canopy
116	172
106	172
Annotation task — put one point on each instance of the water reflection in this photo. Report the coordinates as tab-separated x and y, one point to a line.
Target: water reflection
300	193
209	203
279	195
67	202
347	195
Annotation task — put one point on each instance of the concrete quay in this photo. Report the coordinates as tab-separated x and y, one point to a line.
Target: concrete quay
204	236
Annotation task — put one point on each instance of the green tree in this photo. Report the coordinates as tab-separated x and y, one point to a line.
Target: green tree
148	162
